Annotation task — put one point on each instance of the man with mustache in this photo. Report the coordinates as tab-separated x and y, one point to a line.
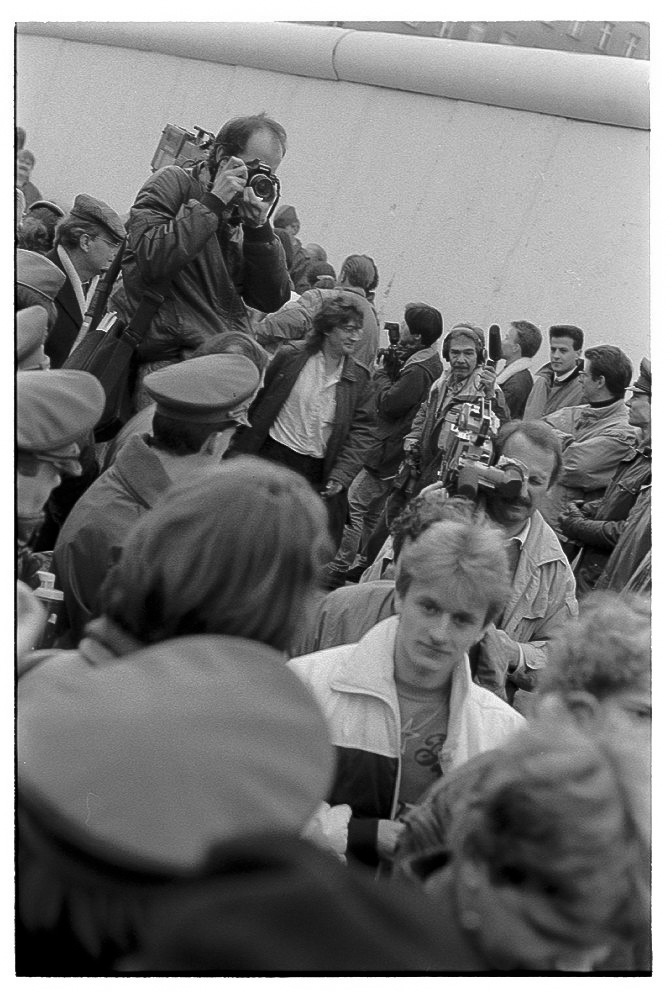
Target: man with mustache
542	594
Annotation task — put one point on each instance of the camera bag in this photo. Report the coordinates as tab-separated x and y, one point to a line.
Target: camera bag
110	355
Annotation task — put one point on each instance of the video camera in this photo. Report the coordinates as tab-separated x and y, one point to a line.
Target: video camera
178	146
393	357
466	442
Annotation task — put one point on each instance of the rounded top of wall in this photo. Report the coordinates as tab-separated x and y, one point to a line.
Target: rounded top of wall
596	88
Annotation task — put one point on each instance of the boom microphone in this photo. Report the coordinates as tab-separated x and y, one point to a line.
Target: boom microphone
494	344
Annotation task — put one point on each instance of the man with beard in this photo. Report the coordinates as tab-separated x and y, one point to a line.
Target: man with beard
542	593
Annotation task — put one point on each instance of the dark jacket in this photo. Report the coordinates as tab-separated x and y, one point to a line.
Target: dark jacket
516	391
353	426
95	531
61	337
629	566
599	524
396	405
178	231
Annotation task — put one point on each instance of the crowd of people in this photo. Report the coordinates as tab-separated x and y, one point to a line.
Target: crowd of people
334	657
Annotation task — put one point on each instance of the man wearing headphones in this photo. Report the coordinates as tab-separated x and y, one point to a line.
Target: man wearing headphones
467	380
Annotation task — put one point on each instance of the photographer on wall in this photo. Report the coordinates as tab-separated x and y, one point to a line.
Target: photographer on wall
201	237
402	380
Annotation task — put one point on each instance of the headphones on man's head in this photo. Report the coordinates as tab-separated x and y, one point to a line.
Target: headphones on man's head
466	330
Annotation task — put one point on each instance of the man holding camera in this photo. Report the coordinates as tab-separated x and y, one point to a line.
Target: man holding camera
202	238
402	383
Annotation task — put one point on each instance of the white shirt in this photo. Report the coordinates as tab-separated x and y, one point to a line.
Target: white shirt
306	419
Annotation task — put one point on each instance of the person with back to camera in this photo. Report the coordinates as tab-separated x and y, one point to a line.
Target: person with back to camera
199	405
357	278
537	854
207	232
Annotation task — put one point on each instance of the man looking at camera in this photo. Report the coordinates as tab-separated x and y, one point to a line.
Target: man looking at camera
205	232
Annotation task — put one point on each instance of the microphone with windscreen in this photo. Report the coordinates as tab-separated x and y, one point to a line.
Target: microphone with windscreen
494	352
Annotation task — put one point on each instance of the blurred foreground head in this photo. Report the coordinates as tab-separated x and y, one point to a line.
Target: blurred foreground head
540	851
236	550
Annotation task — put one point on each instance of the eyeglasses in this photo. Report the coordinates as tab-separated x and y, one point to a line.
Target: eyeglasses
110	244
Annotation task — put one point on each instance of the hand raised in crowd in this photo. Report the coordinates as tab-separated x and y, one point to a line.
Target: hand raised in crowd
230	179
487	376
332	488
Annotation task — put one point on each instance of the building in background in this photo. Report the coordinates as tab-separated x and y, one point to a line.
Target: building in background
624	39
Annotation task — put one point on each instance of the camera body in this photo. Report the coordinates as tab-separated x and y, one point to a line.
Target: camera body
393	357
262	181
466	442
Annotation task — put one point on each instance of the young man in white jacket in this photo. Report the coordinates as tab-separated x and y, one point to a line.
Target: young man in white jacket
401	703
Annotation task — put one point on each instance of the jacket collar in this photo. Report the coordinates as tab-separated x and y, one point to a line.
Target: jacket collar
541	545
520	365
141	470
369	668
423	355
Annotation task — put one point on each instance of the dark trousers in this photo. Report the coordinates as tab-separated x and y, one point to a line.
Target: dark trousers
312	470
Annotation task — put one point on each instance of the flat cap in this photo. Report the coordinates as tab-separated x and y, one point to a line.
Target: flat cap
54	408
176	746
95	211
203	390
39	273
643	383
31	331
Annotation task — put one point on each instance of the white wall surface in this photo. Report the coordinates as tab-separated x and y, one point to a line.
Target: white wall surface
489	213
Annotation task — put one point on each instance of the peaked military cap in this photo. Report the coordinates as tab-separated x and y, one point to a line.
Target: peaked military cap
54	408
31	331
203	390
95	211
39	273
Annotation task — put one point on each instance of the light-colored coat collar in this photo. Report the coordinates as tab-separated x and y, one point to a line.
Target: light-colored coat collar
508	371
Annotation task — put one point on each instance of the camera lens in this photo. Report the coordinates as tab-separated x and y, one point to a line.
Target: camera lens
262	187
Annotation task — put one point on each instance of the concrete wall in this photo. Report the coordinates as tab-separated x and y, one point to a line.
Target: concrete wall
482	179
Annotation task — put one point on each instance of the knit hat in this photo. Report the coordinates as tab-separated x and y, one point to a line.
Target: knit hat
643	383
175	747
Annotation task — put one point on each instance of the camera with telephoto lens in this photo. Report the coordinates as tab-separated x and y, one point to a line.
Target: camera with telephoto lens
393	357
466	442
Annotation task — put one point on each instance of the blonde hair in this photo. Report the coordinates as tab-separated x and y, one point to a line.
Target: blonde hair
474	553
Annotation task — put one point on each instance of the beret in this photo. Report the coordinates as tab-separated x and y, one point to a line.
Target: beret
31	331
202	390
175	746
54	408
643	383
95	211
39	273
